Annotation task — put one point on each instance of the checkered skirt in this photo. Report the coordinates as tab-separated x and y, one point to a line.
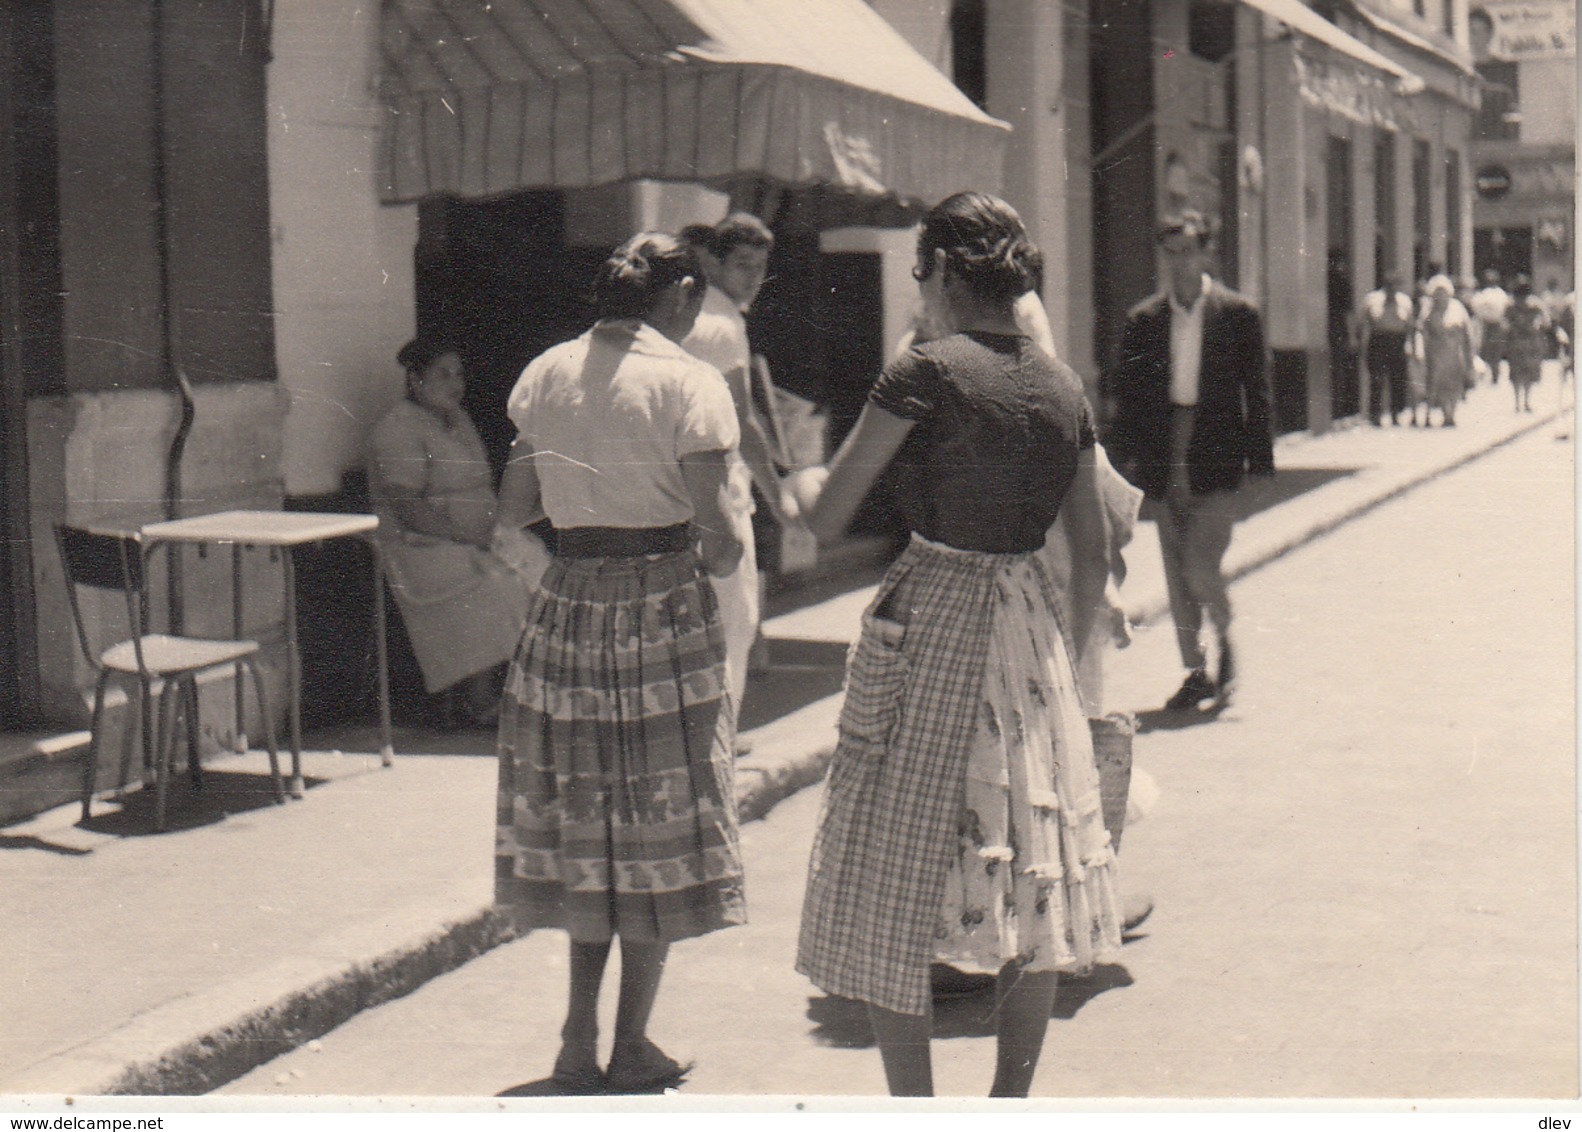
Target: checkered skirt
616	809
895	821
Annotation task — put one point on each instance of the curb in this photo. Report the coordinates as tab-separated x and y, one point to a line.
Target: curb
247	1023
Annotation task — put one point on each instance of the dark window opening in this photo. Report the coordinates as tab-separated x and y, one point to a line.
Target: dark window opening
1422	188
1211	30
969	59
1498	117
1453	213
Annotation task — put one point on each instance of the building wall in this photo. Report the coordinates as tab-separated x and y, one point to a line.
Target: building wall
342	262
163	267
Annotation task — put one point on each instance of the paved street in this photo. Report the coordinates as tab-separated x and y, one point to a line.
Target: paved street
1365	870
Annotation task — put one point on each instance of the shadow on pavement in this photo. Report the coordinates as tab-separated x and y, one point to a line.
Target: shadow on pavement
1263	495
9	841
799	673
963	1006
224	793
1162	719
544	1087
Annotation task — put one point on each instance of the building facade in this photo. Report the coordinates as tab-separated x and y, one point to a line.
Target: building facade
1524	144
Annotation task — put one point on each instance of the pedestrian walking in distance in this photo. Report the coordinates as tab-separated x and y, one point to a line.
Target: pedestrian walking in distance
1526	341
961	815
616	808
1191	421
1491	303
1386	323
1446	342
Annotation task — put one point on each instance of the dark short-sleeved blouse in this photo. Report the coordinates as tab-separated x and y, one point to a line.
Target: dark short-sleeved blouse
994	450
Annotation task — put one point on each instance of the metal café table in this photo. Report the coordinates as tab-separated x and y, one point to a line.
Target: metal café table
281	532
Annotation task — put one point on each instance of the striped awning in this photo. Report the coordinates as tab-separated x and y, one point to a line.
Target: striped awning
491	96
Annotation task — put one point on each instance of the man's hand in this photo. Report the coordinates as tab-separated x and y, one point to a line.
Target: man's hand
803	487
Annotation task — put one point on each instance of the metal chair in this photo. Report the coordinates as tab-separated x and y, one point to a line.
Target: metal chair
152	664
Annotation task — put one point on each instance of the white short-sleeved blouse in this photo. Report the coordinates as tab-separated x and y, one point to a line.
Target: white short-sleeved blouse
608	417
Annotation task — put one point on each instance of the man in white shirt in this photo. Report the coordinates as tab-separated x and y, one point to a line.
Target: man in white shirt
1191	422
1490	304
735	257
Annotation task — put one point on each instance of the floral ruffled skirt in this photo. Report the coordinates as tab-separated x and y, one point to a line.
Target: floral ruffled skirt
1032	876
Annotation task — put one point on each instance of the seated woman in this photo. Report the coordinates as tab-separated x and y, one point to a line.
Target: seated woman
463	605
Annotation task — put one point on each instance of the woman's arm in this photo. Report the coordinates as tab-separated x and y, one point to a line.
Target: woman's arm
704	474
521	499
1092	594
829	499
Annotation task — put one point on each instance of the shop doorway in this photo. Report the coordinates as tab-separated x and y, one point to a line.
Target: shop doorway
1343	380
496	278
1507	250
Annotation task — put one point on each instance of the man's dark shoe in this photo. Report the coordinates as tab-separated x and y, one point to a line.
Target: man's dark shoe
1225	686
1194	690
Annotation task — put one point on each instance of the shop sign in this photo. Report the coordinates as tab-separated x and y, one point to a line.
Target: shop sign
1542	178
1348	91
1493	182
1532	30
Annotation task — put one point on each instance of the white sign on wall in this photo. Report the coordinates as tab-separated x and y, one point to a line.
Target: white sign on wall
1537	29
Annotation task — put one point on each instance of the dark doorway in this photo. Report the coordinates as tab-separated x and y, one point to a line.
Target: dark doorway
1507	250
1422	227
1343	391
1384	234
496	278
1121	88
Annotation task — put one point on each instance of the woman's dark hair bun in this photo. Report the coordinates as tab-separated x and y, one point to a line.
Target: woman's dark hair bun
985	245
641	270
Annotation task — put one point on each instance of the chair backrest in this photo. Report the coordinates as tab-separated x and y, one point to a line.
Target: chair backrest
104	560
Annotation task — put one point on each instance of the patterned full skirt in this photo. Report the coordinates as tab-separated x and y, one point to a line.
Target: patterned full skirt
962	816
616	808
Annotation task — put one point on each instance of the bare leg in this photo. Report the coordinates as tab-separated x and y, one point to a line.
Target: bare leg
903	1045
1023	1003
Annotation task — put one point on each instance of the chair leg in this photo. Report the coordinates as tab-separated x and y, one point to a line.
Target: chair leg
169	699
194	762
90	773
268	723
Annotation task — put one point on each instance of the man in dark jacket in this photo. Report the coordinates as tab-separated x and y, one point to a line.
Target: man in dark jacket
1191	418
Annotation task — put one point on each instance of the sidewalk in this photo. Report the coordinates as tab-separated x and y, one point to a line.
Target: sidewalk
171	963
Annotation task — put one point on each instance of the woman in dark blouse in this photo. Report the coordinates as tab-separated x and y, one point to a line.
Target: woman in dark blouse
961	818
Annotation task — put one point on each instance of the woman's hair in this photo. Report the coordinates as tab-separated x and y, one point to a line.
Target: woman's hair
420	353
641	270
985	245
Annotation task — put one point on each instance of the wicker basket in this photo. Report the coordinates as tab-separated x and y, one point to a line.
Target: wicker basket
1112	752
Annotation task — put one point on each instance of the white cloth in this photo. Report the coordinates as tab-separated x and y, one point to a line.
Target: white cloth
1186	347
739	611
608	417
1490	305
719	337
1373	305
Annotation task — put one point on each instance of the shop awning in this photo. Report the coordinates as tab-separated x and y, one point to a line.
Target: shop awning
490	96
1303	19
